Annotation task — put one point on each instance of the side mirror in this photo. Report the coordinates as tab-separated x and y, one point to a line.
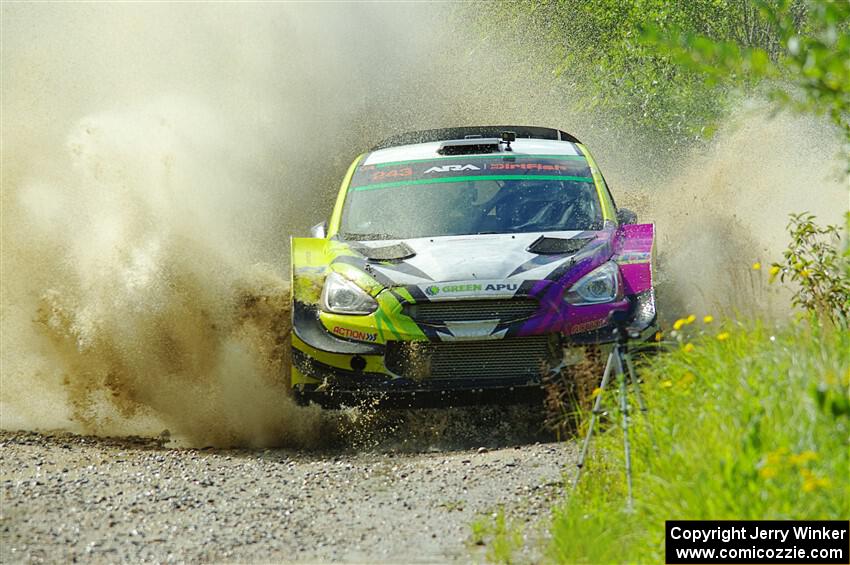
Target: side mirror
626	216
319	231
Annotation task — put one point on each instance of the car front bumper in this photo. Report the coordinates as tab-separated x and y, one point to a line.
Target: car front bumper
333	371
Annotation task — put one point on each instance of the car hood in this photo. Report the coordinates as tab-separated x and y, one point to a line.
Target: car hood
490	257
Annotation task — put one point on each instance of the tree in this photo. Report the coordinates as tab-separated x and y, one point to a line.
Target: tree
808	68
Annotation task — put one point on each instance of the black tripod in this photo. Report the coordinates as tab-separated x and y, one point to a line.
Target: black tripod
620	363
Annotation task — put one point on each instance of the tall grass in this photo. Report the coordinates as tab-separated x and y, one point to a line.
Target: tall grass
747	423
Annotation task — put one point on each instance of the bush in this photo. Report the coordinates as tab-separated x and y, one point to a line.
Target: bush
820	270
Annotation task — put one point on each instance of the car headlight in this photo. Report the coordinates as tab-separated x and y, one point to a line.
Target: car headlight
341	296
599	285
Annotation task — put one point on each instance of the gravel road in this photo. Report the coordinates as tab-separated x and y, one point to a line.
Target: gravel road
74	498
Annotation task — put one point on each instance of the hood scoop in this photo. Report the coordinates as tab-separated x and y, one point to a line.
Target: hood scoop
557	246
394	252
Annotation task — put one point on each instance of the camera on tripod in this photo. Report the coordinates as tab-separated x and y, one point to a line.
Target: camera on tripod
620	320
620	364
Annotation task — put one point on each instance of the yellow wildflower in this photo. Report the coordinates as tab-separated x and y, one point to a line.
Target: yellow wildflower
677	325
774	270
688	347
775	457
757	266
658	336
666	384
802	458
767	472
595	392
812	482
805	273
687	379
708	319
722	336
690	319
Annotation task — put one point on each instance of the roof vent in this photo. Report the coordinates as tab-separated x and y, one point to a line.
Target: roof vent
469	146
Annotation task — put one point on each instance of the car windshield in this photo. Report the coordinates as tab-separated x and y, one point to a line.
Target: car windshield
471	195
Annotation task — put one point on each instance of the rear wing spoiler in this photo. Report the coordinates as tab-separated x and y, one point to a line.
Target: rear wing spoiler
443	134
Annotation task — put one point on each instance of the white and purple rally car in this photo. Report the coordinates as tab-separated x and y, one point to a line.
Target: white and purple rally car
463	264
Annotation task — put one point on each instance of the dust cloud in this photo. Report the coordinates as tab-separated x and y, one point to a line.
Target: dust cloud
157	157
726	208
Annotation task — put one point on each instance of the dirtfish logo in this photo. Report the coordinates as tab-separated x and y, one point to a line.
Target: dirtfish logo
452	169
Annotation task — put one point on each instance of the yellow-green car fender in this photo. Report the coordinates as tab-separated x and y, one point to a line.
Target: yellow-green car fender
335	339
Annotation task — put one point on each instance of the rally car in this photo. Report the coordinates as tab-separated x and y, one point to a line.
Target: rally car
463	265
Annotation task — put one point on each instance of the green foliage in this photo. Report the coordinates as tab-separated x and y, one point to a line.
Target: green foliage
809	49
667	70
598	49
739	431
820	270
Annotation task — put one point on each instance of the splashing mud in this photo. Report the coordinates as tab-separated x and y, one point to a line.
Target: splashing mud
129	301
156	158
727	208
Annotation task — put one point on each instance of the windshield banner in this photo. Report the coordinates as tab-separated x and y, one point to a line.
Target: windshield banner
475	167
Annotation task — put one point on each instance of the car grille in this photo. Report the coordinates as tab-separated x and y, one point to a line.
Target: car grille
437	313
519	357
